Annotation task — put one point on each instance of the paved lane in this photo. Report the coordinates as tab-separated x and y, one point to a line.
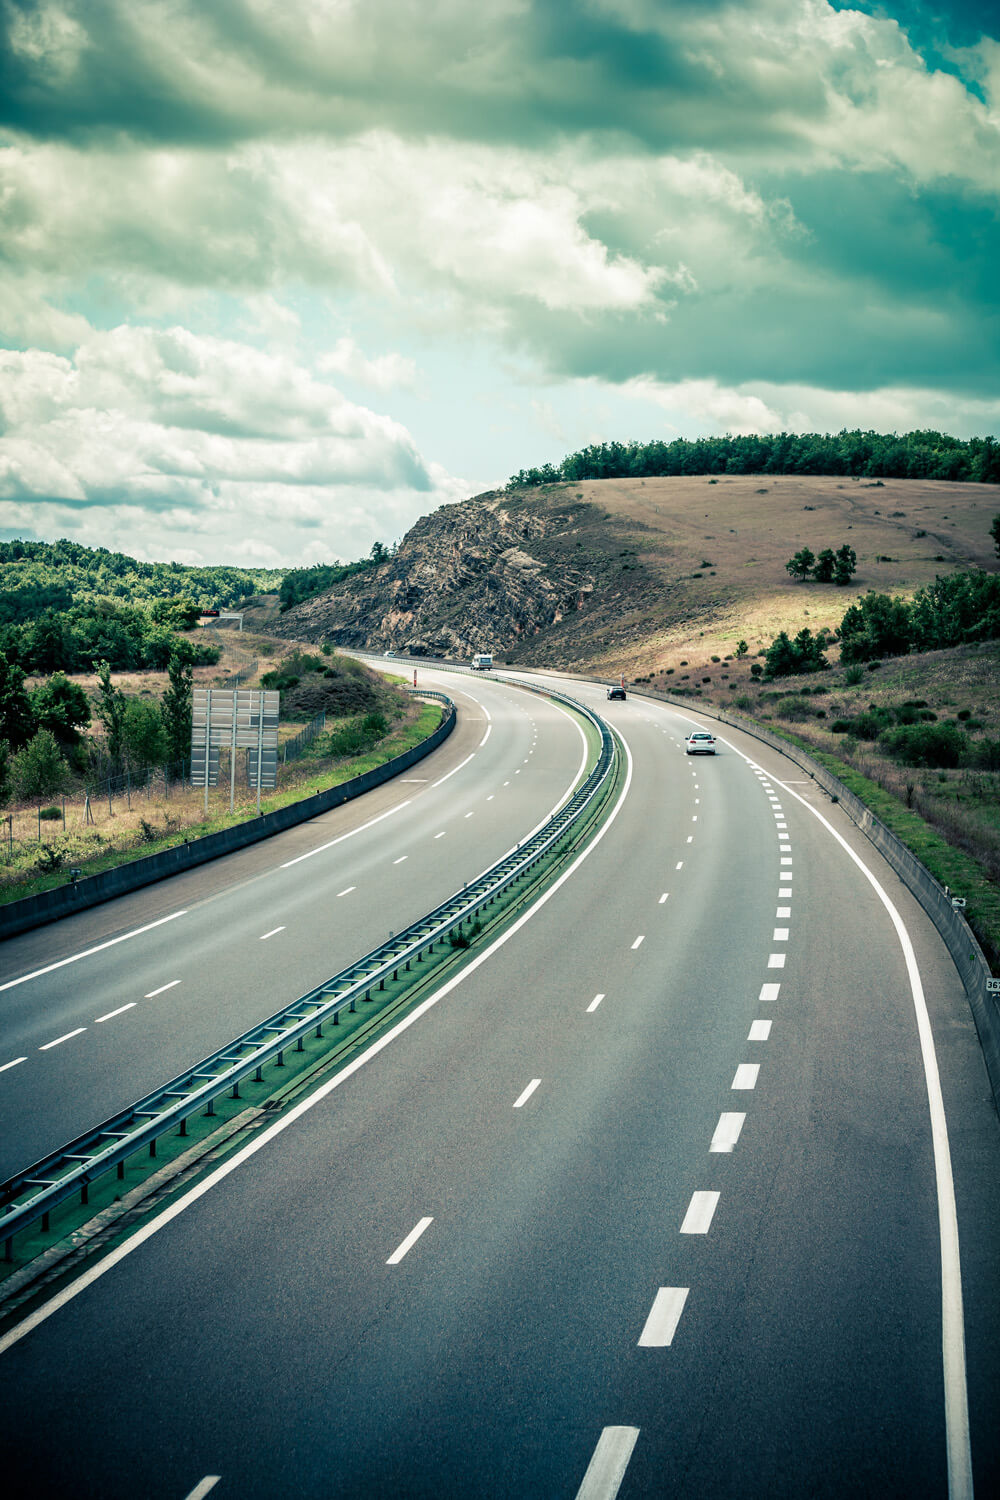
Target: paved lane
660	1165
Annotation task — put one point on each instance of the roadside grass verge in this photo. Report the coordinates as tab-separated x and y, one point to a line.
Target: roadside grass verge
92	853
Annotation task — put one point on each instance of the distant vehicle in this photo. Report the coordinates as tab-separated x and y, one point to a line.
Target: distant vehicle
617	692
388	654
699	742
482	661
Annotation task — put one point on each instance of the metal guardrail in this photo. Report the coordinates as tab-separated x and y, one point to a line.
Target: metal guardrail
76	1165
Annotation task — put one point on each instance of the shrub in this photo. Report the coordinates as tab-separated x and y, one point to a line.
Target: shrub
935	745
39	769
49	814
793	708
854	676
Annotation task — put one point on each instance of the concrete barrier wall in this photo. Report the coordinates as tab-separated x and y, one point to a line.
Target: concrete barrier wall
968	957
49	906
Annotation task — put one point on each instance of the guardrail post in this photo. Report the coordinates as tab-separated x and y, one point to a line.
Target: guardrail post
152	1146
236	1091
121	1171
280	1059
258	1077
45	1222
211	1107
84	1194
183	1127
8	1248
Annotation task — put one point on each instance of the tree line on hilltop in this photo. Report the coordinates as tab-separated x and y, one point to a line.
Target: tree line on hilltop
912	455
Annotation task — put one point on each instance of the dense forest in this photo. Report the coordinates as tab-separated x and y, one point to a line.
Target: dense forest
914	455
68	572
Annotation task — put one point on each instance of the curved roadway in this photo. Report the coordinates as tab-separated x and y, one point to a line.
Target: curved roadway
647	1204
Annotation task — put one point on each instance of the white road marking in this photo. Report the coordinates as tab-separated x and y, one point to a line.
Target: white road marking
399	861
606	1469
592	1006
273	933
639	939
60	1039
491	796
526	1094
73	1289
201	1489
786	859
694	818
784	848
162	990
489	731
408	1243
783	911
780	935
112	1013
506	783
12	1064
679	865
690	838
777	961
470	814
699	1215
781	827
769	992
346	891
760	1031
349	835
664	897
746	1076
727	1132
99	948
664	1316
784	891
444	778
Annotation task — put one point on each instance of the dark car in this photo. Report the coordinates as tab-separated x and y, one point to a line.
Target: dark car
617	692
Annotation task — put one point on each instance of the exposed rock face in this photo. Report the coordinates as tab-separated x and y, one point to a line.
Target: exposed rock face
477	576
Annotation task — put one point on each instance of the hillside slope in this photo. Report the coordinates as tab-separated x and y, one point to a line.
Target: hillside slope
625	575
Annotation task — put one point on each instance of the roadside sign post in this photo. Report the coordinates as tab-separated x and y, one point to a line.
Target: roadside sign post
242	718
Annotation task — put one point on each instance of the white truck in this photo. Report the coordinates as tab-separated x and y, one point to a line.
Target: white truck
482	661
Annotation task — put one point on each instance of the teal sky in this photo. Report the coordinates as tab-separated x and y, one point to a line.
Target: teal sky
279	276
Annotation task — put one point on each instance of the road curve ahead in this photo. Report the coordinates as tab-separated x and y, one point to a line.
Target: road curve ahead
649	1203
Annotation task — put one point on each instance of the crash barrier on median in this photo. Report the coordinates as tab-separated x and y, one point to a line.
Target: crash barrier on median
49	906
46	1184
968	957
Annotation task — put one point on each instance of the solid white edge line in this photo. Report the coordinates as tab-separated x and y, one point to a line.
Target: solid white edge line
409	1242
482	742
349	835
452	772
608	1463
956	1397
98	948
526	1093
74	1288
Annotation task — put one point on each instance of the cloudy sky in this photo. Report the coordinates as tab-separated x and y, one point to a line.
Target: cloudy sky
279	276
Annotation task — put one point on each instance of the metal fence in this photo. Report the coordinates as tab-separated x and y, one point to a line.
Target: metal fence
293	748
31	1195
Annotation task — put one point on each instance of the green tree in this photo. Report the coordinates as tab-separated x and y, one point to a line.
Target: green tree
178	613
785	657
17	722
39	771
801	565
741	650
143	739
111	703
63	707
995	534
175	707
845	565
875	626
825	566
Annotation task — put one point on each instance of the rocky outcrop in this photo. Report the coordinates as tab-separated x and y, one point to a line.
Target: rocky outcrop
478	576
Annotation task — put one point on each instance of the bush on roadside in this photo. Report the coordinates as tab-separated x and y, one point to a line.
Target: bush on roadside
941	746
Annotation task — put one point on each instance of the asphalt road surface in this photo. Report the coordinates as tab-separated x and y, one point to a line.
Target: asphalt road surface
651	1202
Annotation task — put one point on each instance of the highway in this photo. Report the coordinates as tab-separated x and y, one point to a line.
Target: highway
654	1201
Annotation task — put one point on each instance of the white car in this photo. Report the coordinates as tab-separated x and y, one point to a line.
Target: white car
699	742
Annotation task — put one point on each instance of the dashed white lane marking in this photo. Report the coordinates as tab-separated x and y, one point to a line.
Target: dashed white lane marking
399	861
526	1094
786	859
663	897
506	783
87	952
784	890
273	933
606	1469
162	990
780	935
777	960
60	1039
409	1242
639	940
784	848
595	1003
783	911
690	838
769	992
470	814
746	1076
700	1211
12	1064
679	865
346	891
112	1013
727	1132
491	796
202	1488
664	1316
760	1031
351	832
440	835
694	818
